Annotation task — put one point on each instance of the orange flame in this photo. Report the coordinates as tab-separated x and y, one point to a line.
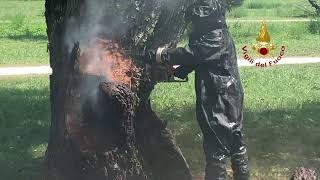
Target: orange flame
106	58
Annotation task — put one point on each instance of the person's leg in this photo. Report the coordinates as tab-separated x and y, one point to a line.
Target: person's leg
238	150
215	161
213	148
235	96
216	170
239	158
219	113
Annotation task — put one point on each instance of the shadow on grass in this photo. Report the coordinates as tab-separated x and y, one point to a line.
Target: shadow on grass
283	138
278	140
28	36
24	122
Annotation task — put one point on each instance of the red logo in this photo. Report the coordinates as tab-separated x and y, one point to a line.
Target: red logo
264	48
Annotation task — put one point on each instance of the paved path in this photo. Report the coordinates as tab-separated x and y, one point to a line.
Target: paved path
45	70
270	20
291	60
228	19
30	70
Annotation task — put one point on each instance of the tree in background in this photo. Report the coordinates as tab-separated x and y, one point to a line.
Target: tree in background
316	5
314	25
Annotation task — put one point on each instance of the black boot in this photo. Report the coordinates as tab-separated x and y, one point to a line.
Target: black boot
216	170
240	166
239	158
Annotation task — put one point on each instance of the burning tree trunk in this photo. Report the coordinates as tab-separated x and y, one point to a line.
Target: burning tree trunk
102	124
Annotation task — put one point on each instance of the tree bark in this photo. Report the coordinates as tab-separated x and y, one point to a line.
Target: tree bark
101	129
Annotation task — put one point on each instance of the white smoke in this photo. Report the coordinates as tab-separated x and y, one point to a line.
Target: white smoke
97	18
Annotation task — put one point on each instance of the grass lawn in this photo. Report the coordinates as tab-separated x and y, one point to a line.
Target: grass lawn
23	38
251	9
295	36
27	44
272	9
24	122
23	51
10	10
23	31
282	126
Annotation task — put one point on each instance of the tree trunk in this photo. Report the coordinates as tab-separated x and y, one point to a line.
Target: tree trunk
102	124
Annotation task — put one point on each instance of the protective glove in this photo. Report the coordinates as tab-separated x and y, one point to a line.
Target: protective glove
182	72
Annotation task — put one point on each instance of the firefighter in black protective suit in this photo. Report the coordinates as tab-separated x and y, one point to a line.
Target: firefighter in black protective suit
211	53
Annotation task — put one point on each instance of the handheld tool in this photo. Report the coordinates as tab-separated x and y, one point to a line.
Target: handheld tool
158	72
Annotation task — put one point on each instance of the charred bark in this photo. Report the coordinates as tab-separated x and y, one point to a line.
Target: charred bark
102	129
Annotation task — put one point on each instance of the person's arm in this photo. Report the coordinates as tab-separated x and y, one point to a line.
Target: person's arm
207	19
199	55
179	56
183	71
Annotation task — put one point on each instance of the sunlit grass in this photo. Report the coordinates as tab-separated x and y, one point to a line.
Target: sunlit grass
24	51
31	10
295	36
272	9
23	38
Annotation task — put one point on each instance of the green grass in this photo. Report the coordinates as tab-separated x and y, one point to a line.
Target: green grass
24	122
282	127
27	44
295	36
34	10
31	10
23	38
25	51
272	9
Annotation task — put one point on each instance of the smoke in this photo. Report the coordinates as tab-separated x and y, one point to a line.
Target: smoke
95	27
114	18
97	18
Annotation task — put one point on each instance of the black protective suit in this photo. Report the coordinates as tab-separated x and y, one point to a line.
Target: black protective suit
211	53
